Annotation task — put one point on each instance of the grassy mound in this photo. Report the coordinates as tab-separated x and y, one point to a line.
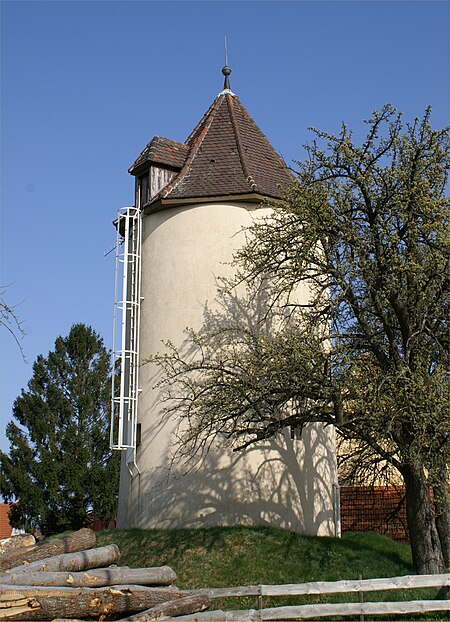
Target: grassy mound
223	556
232	556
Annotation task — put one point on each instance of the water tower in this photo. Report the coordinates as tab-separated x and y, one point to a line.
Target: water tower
192	200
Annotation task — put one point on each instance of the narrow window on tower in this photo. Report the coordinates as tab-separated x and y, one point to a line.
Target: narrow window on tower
143	189
138	434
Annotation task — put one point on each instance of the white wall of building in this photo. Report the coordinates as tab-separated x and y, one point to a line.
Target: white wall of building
285	483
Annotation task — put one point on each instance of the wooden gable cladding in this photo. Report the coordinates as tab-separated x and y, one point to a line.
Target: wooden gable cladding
159	177
151	182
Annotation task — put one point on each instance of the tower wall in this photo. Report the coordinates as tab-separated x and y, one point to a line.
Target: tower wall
286	482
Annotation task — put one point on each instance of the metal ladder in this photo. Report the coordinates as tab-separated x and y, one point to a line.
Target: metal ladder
127	306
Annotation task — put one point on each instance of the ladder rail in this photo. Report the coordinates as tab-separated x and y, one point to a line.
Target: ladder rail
126	329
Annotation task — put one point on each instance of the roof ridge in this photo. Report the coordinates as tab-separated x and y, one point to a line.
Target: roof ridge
242	155
170	140
202	120
207	120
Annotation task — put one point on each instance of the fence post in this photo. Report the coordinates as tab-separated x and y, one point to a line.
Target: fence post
260	600
360	600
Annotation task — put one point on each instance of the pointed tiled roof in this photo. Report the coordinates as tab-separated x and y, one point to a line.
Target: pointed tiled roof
225	155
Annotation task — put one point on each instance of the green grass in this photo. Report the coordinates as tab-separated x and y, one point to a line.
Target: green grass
232	556
224	556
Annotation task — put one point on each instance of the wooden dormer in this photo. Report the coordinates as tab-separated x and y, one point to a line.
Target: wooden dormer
157	165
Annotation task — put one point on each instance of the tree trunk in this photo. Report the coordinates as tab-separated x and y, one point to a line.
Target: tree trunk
424	538
174	608
77	541
94	578
442	510
73	562
48	603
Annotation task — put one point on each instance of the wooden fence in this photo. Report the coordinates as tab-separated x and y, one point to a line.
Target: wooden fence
327	609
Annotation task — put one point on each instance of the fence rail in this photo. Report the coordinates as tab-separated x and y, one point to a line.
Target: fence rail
330	587
326	609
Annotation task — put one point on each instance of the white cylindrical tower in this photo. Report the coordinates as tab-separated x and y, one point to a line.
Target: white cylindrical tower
195	198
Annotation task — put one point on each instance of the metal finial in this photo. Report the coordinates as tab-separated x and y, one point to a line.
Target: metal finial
226	72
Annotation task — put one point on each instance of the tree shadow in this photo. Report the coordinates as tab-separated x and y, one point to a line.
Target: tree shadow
288	481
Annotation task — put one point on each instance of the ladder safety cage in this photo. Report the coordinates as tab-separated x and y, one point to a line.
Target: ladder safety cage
125	359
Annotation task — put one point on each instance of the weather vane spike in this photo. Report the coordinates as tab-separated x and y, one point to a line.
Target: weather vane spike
226	70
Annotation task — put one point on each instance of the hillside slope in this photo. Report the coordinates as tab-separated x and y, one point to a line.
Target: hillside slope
222	556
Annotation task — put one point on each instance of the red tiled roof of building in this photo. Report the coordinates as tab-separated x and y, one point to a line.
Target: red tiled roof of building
225	155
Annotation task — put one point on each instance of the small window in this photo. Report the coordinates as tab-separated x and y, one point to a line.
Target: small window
144	189
138	435
296	433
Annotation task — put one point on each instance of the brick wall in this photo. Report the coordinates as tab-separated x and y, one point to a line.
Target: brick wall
5	527
379	508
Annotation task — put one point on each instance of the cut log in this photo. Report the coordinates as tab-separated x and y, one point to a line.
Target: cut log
13	603
73	562
94	578
48	603
173	608
21	541
77	541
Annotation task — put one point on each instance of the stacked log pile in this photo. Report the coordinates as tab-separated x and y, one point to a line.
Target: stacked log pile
69	579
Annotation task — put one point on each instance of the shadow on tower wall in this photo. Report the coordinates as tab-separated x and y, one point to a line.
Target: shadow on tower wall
288	481
283	483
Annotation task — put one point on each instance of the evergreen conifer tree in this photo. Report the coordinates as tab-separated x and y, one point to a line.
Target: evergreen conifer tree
60	469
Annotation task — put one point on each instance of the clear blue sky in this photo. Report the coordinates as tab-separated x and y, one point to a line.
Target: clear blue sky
85	85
